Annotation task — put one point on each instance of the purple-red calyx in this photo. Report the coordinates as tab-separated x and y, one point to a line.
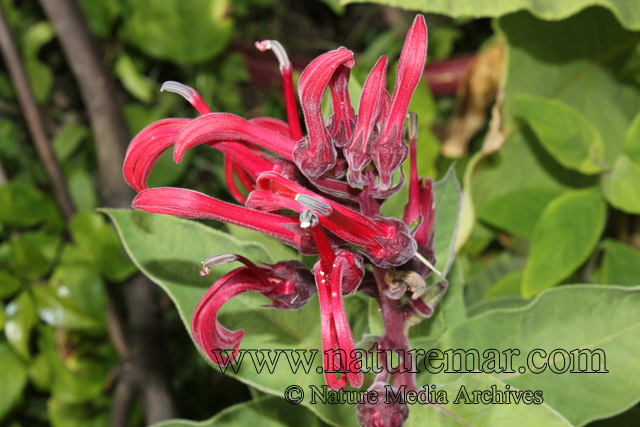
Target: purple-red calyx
320	193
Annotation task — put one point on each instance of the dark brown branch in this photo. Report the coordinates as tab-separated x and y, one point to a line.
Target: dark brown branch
148	349
34	120
122	399
99	93
3	176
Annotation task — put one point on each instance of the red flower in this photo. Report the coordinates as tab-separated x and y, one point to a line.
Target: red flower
336	177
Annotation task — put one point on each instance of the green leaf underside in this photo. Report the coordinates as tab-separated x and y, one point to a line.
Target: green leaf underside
469	414
628	12
570	317
445	224
268	411
565	235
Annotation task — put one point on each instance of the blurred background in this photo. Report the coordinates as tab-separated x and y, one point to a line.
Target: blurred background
87	341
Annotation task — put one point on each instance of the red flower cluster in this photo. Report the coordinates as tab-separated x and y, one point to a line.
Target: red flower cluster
335	178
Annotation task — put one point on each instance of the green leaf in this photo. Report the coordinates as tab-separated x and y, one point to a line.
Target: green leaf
3	316
621	186
483	274
136	84
565	235
98	243
508	285
9	284
445	224
25	206
101	15
41	79
83	284
627	12
170	251
620	264
56	308
575	61
67	386
33	254
632	140
36	37
20	320
276	249
68	139
13	377
500	303
179	31
80	415
267	411
40	76
519	211
501	173
82	189
441	41
568	318
565	133
494	415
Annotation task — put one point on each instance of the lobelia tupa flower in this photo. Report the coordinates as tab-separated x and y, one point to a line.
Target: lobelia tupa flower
320	193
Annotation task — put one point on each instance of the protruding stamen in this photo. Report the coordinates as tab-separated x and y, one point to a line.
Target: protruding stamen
307	218
277	49
187	93
413	125
216	260
427	263
314	204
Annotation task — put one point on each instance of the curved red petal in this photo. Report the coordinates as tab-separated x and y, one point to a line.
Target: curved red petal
216	127
191	204
207	332
147	146
274	125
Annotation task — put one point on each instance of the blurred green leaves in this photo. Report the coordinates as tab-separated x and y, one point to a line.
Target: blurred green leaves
40	75
186	32
13	377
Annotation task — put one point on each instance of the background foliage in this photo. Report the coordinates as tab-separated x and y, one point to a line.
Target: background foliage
548	236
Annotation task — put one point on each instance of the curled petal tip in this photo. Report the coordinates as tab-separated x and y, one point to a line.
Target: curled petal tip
188	93
278	50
